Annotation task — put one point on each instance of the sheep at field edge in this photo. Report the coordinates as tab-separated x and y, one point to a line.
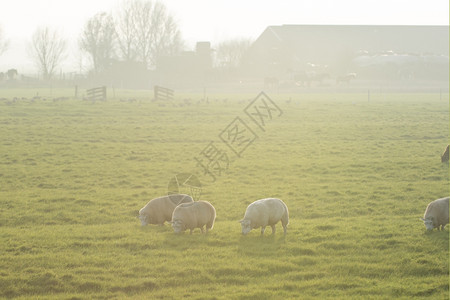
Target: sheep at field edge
159	210
444	156
193	215
436	214
265	212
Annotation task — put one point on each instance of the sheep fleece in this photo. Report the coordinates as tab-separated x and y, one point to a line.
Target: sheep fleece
193	215
265	212
437	211
159	210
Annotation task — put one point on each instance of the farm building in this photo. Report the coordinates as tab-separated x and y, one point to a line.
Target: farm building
372	51
186	67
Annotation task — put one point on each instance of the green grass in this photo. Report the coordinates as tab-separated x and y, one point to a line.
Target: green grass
356	177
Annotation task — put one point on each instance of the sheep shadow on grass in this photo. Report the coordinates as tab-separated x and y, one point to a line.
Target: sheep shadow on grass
260	245
440	238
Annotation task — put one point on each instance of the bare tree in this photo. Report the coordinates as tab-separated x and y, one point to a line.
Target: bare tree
155	31
98	40
4	43
229	53
166	35
125	29
48	49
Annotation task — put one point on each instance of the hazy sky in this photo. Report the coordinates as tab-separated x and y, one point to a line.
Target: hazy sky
211	20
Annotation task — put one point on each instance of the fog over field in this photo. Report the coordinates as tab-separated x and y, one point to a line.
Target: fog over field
340	109
200	20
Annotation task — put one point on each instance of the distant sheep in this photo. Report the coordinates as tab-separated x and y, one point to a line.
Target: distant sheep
159	210
265	212
193	215
444	156
436	214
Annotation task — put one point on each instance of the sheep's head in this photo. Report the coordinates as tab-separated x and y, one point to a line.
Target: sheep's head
245	224
177	226
428	222
143	219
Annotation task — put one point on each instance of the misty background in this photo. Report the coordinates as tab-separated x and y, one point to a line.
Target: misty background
182	44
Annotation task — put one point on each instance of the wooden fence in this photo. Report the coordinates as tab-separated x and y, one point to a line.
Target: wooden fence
95	94
163	93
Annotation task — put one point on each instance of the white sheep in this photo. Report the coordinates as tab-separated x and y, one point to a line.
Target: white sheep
159	210
444	156
436	214
193	215
264	212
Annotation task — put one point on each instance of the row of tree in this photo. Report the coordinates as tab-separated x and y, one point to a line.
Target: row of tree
138	31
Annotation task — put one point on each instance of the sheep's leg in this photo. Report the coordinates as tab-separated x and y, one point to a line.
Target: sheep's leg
191	231
285	229
273	229
201	228
262	229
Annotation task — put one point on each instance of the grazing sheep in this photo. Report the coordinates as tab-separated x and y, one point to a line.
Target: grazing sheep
265	212
444	156
436	214
159	210
193	215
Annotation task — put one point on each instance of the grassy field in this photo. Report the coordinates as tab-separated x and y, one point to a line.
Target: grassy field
356	176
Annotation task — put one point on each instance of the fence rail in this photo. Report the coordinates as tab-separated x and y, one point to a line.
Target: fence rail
162	93
95	94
